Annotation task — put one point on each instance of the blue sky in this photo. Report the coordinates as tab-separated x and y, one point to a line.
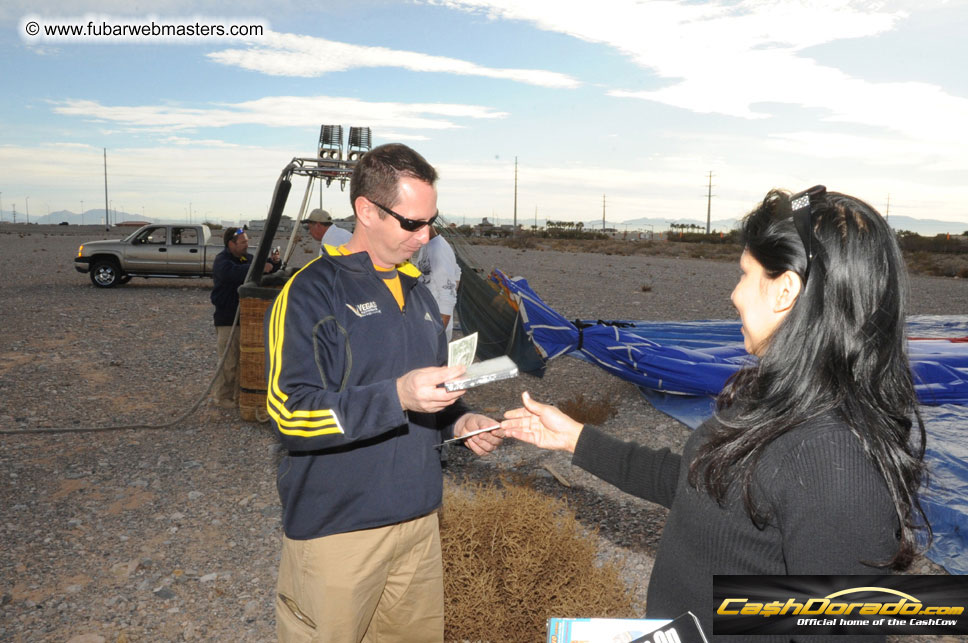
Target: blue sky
635	100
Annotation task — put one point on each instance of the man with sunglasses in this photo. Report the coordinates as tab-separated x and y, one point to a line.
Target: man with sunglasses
228	273
356	347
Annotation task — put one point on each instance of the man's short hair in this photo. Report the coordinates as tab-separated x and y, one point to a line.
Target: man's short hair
230	234
377	175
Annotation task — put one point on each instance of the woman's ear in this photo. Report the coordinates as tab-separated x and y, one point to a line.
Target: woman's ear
786	290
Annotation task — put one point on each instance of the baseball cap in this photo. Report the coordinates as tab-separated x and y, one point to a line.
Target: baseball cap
320	216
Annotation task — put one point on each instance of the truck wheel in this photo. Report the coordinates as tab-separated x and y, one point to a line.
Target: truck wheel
105	274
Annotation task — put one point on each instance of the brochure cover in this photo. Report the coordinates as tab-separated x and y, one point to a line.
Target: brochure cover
601	630
684	629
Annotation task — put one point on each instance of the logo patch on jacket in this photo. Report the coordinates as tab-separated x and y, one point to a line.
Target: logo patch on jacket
364	310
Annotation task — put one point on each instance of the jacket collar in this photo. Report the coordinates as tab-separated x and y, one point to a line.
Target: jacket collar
361	262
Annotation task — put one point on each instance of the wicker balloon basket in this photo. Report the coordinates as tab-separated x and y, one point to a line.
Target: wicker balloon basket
252	357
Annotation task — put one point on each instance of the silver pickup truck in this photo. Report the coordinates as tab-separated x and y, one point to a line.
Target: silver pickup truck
154	250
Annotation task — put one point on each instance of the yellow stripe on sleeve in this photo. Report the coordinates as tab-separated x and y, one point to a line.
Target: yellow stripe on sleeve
302	423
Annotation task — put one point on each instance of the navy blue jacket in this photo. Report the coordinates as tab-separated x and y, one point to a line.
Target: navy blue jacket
228	273
337	341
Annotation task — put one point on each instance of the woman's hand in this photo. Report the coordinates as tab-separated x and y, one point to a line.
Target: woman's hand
542	425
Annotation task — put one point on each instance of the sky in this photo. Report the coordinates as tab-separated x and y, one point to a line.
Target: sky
637	104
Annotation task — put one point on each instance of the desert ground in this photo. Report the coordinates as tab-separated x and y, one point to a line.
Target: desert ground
173	533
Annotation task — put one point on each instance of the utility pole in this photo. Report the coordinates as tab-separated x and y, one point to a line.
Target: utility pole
14	211
514	230
887	212
107	221
709	201
27	202
603	213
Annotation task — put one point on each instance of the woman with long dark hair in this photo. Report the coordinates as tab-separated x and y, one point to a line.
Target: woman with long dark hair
808	465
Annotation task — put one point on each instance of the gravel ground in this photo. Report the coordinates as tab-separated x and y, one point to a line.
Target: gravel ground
173	534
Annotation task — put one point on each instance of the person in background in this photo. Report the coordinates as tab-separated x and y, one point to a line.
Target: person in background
809	465
441	274
355	353
322	229
228	273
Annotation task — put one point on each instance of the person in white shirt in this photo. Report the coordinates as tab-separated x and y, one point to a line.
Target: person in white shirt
441	274
322	229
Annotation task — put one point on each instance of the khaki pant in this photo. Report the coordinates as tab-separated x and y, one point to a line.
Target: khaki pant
382	585
227	381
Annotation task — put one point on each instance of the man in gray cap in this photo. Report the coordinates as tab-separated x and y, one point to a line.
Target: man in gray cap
321	228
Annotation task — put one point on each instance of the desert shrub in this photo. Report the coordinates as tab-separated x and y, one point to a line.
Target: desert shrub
941	243
521	242
589	410
937	264
514	558
729	238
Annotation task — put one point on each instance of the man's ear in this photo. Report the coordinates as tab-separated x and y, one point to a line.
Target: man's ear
786	290
365	211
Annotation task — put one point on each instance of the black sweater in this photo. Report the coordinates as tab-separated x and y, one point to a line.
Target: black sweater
830	511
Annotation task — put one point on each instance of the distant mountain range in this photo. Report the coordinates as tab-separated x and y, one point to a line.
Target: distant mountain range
924	227
90	217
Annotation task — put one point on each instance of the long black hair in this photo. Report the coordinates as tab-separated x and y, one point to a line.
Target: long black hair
841	348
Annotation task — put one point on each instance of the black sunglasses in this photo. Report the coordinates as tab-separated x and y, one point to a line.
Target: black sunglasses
410	225
801	206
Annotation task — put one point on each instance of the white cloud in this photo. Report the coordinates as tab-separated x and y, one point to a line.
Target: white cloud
202	142
396	136
284	54
278	111
162	178
877	151
735	58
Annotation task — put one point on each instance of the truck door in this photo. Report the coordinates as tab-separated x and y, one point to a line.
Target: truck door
148	251
185	253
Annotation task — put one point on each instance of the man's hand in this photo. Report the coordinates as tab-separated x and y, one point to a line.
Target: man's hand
482	443
418	390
